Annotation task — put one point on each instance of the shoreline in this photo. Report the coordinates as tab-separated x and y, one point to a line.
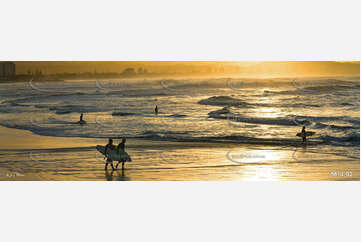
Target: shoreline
199	142
26	139
31	157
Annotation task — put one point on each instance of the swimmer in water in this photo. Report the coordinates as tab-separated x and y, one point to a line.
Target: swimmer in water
303	132
156	110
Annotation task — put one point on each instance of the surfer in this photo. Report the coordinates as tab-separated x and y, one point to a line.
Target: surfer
109	161
121	148
81	121
303	132
156	110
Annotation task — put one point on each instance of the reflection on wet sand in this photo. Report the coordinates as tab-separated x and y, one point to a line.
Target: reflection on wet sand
116	175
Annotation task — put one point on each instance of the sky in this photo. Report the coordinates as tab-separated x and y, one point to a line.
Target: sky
259	69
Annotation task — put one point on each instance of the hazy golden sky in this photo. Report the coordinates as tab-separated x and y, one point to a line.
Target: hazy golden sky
286	68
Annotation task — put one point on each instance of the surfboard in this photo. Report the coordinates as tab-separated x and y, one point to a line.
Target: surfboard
114	155
308	133
81	122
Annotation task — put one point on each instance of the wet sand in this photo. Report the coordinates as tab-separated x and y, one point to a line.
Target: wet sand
27	156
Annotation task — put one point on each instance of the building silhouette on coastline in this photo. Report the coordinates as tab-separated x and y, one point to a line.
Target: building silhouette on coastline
7	69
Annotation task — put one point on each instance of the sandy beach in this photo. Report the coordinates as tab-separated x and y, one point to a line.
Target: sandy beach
27	156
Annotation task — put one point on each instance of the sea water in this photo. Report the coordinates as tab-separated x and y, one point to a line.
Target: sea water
267	112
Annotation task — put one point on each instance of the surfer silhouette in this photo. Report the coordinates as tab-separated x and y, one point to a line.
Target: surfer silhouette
303	132
121	148
109	161
156	110
81	121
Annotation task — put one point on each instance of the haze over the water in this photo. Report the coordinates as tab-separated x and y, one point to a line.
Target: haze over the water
198	68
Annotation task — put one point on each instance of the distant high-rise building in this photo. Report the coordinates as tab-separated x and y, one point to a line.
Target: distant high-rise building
7	69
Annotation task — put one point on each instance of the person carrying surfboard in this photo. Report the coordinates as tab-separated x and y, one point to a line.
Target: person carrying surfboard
304	134
109	146
121	148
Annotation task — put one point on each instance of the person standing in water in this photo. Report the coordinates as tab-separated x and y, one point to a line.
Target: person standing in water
109	161
303	132
156	110
81	121
121	148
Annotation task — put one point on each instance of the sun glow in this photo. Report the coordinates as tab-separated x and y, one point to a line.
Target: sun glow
267	112
259	164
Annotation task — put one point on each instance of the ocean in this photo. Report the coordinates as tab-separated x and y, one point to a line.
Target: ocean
262	116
